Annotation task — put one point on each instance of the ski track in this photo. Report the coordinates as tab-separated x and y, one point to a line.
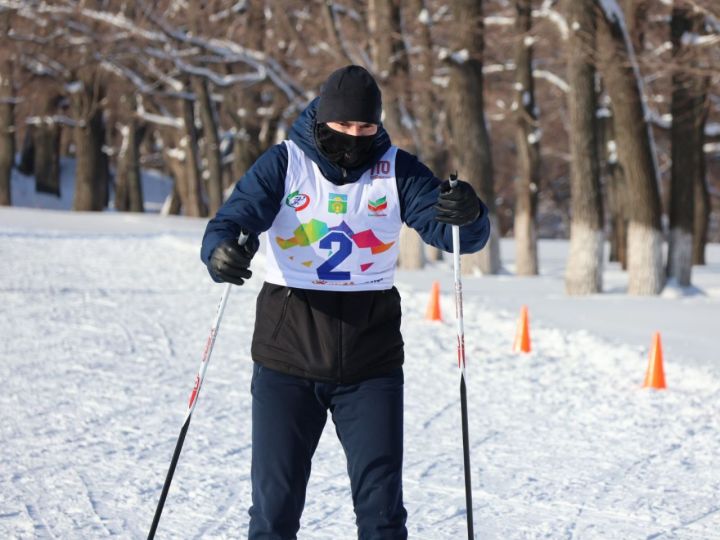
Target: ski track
101	339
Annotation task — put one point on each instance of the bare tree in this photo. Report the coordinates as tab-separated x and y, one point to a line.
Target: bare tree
701	217
91	173
635	150
128	178
583	274
471	141
528	146
616	187
46	145
389	58
7	112
191	191
212	169
688	113
244	103
7	130
416	28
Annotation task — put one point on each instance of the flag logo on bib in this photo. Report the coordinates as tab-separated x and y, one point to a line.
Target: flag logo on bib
337	203
376	207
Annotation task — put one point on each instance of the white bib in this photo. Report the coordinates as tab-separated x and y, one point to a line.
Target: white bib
336	238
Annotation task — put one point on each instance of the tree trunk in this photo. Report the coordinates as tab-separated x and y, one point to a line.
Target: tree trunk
26	165
46	157
422	97
388	55
688	111
90	174
390	60
701	219
416	25
616	196
208	117
91	171
103	172
471	142
192	200
246	149
175	160
527	145
583	274
411	255
128	181
636	155
172	205
7	132
242	104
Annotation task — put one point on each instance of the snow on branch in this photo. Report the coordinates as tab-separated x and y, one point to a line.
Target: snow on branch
122	22
161	120
222	81
696	40
238	7
552	79
232	52
544	74
54	119
499	20
43	66
546	11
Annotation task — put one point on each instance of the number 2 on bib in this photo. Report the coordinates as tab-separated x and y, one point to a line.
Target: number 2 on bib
325	270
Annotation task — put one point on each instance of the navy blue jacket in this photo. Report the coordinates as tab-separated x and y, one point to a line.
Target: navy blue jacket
333	336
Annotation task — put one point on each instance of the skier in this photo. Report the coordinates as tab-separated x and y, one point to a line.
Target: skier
332	200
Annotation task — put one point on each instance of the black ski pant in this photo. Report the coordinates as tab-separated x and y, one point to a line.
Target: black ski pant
288	416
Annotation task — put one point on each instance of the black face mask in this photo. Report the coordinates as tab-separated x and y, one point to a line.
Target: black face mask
345	150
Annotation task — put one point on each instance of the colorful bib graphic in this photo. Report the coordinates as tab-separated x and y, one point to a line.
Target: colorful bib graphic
339	240
337	203
376	207
298	201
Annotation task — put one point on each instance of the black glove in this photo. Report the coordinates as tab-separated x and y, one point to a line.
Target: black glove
458	205
230	261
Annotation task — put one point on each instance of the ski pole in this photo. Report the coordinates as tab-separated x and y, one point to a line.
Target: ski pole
461	365
193	398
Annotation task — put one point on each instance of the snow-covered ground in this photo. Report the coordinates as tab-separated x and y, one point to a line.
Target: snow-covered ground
103	318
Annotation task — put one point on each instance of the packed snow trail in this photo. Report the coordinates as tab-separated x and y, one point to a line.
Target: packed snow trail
102	327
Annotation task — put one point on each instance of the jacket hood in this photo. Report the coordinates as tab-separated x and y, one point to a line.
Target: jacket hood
302	133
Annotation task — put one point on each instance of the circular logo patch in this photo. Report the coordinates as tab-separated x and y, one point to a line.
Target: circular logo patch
298	201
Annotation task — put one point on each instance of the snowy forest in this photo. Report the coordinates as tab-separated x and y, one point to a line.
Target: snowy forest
593	120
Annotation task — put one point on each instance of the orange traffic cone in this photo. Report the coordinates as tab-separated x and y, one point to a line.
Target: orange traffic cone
655	376
433	308
522	338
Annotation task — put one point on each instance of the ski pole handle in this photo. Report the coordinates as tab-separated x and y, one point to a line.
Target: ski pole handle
458	288
243	237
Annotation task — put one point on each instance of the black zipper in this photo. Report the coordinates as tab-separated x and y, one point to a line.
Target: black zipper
282	314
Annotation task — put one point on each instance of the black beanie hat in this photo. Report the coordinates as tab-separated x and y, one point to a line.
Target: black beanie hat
350	94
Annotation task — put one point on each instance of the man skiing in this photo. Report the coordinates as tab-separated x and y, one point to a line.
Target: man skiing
332	200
